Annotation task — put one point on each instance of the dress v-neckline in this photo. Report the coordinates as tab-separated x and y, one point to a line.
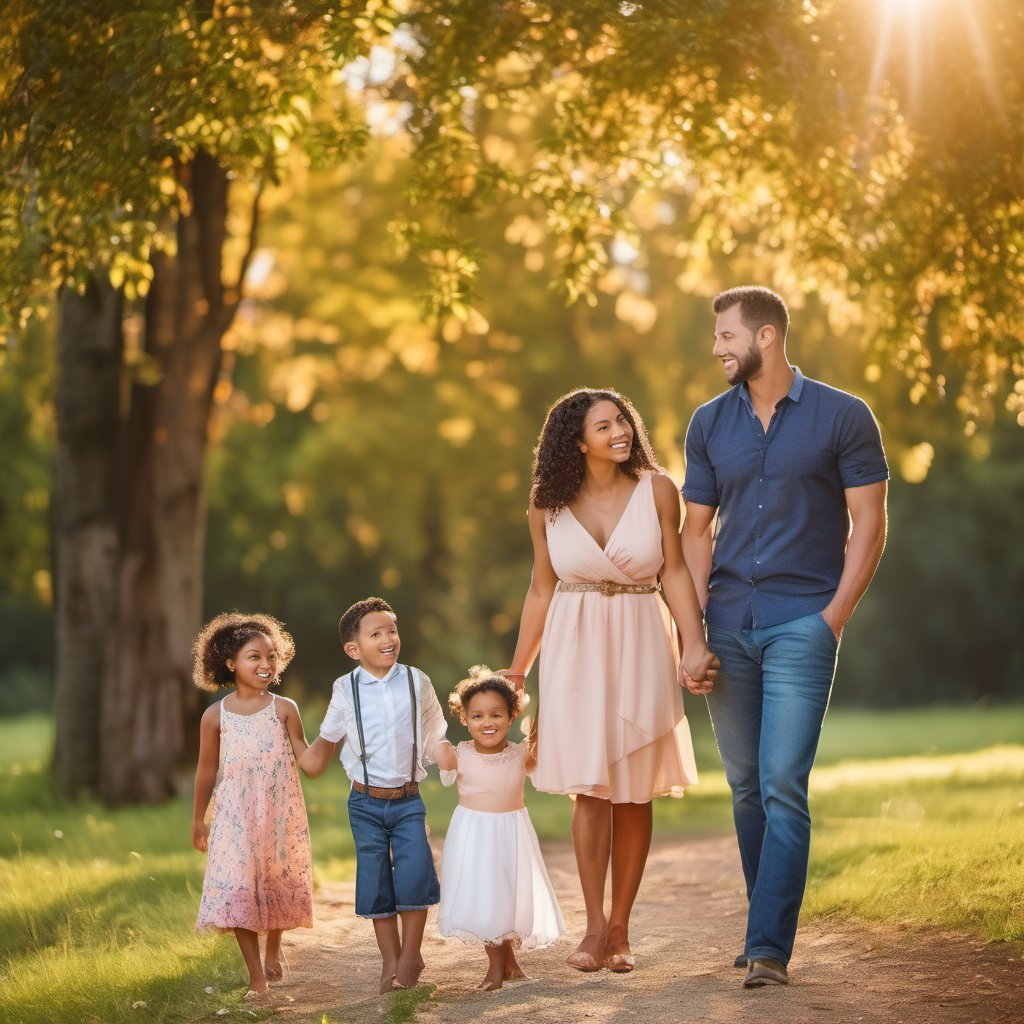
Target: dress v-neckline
615	528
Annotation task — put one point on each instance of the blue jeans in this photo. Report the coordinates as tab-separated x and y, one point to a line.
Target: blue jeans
394	864
767	708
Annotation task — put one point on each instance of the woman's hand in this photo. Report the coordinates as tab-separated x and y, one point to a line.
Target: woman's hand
517	679
699	669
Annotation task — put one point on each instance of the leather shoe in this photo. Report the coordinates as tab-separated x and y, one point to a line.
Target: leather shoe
740	961
765	971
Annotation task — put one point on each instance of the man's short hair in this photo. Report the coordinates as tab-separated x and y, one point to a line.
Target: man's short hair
758	306
351	620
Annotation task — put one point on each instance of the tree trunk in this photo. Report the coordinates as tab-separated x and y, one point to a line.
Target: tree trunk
131	512
86	524
149	705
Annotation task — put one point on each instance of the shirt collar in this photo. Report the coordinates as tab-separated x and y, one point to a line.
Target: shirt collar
368	677
795	390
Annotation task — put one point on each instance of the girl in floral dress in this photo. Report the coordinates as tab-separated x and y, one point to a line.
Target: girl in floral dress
258	873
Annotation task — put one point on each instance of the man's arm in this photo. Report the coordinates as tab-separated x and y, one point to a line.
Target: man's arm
863	552
697	535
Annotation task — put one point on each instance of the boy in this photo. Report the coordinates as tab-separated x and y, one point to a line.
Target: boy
387	718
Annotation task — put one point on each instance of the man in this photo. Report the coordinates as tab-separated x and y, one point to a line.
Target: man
795	471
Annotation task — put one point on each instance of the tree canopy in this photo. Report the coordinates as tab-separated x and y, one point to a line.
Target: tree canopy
430	169
870	151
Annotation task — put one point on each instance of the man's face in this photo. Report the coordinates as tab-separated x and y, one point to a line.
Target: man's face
736	347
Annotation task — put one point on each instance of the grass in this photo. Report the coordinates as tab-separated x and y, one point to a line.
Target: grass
926	841
97	906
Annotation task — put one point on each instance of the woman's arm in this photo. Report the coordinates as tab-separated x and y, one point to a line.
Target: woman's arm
206	773
699	666
538	598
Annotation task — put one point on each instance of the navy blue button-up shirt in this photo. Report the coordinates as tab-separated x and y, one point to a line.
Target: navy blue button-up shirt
780	537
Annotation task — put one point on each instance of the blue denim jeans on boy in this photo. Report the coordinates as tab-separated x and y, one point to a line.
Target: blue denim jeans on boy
767	709
394	865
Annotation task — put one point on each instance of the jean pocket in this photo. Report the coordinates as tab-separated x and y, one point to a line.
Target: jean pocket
828	628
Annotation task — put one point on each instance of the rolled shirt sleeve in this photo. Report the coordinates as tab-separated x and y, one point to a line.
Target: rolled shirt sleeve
333	728
433	725
700	484
860	456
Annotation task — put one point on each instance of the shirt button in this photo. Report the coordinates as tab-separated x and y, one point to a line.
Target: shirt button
760	506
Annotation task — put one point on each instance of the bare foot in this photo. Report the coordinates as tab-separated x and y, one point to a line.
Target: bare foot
273	971
589	954
492	981
513	972
618	958
254	995
387	980
408	975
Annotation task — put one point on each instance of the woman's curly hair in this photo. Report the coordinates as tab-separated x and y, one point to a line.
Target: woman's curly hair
223	637
482	680
558	463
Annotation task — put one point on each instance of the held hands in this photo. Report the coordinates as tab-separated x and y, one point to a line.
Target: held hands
698	671
518	681
200	835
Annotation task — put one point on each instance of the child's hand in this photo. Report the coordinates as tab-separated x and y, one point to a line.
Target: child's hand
200	835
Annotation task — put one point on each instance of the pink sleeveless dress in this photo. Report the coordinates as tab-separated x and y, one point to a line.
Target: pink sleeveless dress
611	720
259	874
494	886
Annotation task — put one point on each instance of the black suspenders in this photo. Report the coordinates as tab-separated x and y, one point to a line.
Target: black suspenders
357	706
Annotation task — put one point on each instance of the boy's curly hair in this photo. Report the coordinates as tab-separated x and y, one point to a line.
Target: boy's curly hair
558	463
482	680
224	636
351	619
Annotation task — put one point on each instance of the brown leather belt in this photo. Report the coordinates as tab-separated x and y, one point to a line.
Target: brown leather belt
382	793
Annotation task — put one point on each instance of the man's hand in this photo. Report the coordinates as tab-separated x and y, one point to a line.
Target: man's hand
834	621
698	671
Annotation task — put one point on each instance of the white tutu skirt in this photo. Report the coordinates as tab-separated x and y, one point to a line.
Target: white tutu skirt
494	886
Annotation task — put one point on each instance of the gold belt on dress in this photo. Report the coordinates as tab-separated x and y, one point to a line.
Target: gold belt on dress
610	587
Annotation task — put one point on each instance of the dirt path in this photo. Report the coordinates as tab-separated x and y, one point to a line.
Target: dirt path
687	927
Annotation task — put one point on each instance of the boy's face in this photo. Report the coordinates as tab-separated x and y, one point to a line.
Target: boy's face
377	646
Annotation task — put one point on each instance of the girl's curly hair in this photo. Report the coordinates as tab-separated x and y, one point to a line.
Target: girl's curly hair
223	637
558	463
482	680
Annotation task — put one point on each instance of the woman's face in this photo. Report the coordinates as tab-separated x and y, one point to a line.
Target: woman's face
607	434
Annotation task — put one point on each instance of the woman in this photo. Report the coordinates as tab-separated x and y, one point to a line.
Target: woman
604	520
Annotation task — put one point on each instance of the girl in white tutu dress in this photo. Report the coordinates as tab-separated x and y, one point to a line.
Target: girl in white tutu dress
494	886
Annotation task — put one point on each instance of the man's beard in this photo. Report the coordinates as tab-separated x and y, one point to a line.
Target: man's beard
746	366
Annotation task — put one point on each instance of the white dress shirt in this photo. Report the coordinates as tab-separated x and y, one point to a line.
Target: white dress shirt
387	725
